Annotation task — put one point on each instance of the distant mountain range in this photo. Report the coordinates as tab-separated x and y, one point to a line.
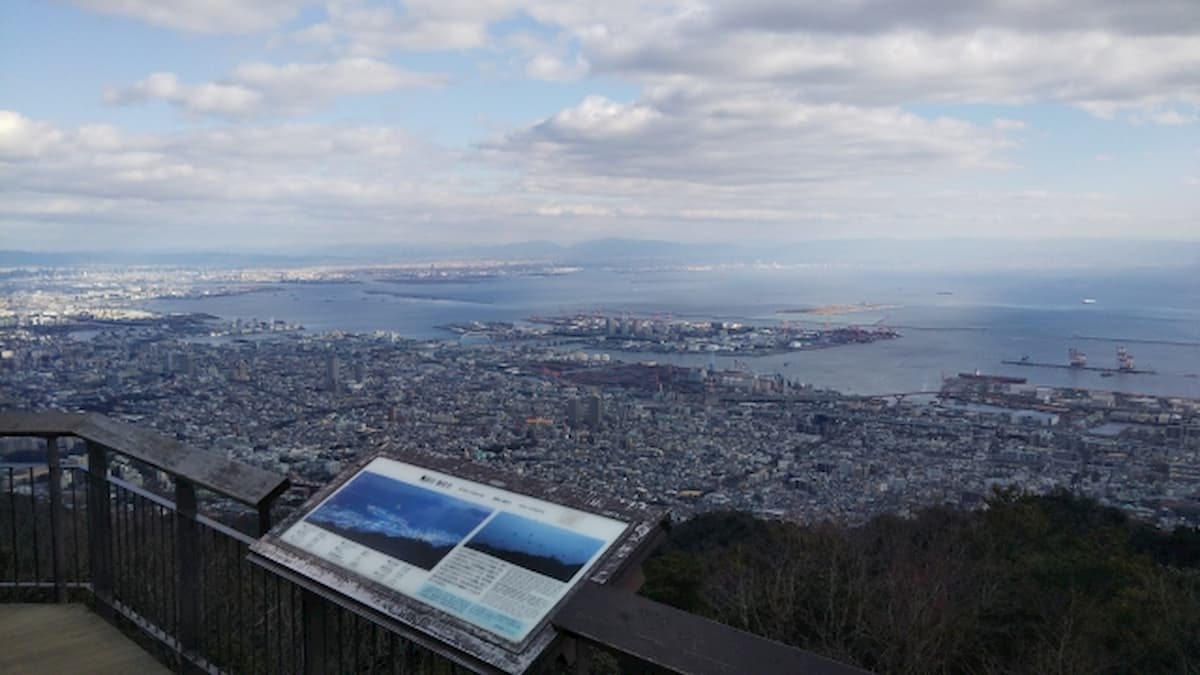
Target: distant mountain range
891	253
414	551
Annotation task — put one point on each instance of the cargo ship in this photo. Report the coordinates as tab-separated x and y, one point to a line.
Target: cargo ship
991	379
1125	362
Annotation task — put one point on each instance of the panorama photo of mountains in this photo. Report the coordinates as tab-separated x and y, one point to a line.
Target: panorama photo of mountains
403	521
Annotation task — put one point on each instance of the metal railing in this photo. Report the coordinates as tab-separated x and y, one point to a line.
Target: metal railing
180	582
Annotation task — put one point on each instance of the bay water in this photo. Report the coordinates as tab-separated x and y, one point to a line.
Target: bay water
949	322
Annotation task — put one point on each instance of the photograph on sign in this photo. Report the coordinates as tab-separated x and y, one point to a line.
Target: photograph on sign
536	546
409	523
493	558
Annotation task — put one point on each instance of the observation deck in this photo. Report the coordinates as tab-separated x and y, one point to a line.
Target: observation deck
101	554
46	638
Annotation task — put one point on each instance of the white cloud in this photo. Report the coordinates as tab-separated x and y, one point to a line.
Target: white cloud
366	29
763	118
201	16
752	137
318	81
554	69
208	98
1153	17
988	66
23	138
211	164
680	165
1171	117
1105	56
1009	125
266	88
227	186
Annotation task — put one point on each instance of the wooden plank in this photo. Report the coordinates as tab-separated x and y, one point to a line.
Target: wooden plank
315	650
67	639
247	484
39	423
264	518
665	639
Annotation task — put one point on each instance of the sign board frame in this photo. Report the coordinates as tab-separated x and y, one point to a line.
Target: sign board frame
436	628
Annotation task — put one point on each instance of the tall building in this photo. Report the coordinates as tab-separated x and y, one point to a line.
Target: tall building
594	411
574	412
332	379
241	372
179	362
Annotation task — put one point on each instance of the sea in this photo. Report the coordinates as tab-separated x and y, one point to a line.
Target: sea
949	322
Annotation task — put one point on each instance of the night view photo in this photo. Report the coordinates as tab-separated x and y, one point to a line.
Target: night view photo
887	311
536	546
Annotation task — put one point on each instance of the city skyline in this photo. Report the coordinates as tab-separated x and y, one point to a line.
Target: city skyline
288	125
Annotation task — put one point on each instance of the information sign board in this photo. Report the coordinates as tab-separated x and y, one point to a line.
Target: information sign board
495	560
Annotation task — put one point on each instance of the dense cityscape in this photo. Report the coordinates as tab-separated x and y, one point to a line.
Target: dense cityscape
765	337
691	439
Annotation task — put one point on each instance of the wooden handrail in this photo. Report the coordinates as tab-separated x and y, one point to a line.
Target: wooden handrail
665	639
244	483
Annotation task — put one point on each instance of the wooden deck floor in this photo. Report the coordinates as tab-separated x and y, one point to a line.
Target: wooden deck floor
40	639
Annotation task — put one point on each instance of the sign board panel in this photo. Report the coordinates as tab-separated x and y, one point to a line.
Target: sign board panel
491	563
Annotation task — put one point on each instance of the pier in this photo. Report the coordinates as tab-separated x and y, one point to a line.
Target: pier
1142	341
1064	366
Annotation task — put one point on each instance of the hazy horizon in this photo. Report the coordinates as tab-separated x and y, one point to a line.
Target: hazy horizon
930	254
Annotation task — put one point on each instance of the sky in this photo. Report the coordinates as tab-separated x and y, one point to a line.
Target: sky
286	125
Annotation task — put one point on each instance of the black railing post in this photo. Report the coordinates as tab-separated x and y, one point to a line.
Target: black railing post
187	566
264	517
58	541
99	527
315	654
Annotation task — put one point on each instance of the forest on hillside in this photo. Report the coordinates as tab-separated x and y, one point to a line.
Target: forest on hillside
1030	584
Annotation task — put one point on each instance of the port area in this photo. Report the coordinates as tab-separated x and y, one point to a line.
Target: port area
1066	366
674	336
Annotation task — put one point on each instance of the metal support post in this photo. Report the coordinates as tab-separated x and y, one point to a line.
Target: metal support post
99	527
57	521
188	566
